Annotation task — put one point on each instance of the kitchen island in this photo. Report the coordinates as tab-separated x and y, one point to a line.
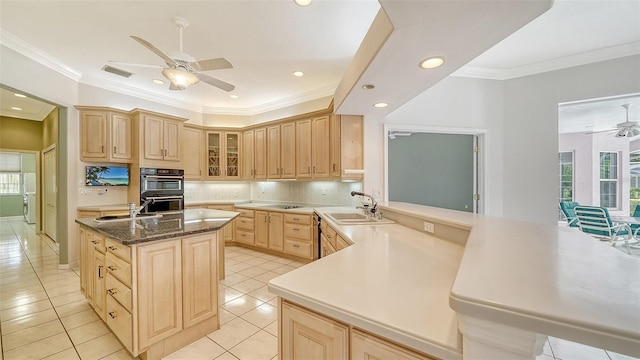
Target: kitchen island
478	287
154	280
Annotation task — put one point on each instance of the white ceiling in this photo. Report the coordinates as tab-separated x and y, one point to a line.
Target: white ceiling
267	40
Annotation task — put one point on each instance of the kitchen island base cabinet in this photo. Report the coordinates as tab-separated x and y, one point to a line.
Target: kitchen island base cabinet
306	334
156	296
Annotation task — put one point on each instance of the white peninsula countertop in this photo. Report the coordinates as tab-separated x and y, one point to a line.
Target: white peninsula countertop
413	288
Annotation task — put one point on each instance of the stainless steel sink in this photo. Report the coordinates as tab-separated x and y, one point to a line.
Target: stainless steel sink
356	219
112	218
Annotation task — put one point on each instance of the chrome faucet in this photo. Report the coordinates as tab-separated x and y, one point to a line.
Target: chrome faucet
135	210
368	210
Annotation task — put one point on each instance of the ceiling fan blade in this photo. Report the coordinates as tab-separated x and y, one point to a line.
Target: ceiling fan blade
155	50
138	65
217	83
212	64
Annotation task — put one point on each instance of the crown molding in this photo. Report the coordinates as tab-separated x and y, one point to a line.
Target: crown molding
609	53
16	44
138	93
274	105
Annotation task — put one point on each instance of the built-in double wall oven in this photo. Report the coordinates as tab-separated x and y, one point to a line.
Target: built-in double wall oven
164	186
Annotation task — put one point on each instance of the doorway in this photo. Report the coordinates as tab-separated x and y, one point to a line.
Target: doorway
440	169
49	175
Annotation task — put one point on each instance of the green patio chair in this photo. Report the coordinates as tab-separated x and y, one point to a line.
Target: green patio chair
596	222
568	212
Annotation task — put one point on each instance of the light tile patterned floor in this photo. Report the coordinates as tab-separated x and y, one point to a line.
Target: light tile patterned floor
44	316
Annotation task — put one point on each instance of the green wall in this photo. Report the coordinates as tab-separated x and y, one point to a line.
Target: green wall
20	134
50	129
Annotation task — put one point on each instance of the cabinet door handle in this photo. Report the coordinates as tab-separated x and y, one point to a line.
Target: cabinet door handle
92	241
334	167
112	291
102	148
113	314
309	169
314	169
112	248
112	268
114	149
100	271
266	219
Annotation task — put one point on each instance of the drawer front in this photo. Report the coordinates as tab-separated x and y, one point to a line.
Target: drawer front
301	232
297	219
120	322
298	248
245	223
97	241
121	251
119	268
245	237
245	213
119	291
86	214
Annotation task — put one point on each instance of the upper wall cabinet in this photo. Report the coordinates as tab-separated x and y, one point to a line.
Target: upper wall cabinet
281	151
223	155
192	150
159	139
312	148
254	154
105	135
346	146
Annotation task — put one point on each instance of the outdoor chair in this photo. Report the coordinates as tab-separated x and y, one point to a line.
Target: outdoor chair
567	208
596	222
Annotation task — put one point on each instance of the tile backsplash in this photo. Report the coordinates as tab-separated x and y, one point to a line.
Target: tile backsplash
307	192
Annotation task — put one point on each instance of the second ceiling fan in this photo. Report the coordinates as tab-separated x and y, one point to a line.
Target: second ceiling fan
182	69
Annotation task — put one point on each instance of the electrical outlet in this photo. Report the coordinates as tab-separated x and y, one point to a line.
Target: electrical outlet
429	227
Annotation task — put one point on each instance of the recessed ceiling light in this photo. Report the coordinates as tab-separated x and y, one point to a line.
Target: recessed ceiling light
158	81
432	62
16	108
20	95
297	73
303	2
233	96
368	86
380	105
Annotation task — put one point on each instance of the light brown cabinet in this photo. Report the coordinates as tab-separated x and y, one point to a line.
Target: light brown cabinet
223	155
254	154
159	139
310	336
245	227
312	148
157	296
224	235
347	149
298	235
281	151
192	150
269	231
105	135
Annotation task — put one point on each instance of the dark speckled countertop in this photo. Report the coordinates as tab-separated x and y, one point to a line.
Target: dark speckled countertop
187	222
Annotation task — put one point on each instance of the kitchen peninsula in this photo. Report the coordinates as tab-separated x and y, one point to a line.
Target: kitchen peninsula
154	279
478	287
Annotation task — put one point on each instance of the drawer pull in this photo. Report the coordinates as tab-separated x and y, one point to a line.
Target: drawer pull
296	219
296	245
100	271
95	242
112	291
296	229
113	314
112	268
243	235
112	248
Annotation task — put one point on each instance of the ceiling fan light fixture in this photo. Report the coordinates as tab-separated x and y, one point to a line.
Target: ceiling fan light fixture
303	3
180	78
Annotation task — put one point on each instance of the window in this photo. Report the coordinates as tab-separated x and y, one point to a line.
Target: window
609	180
10	173
565	161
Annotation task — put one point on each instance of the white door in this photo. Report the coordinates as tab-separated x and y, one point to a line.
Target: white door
50	190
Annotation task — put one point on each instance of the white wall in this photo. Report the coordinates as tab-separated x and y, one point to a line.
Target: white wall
521	118
586	149
531	129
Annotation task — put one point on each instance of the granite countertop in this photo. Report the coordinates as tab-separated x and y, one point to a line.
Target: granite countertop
140	230
394	282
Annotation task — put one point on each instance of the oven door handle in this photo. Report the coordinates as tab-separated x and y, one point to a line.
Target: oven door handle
164	197
162	177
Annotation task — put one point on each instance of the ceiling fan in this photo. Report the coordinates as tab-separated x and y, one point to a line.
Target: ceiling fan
625	129
182	69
